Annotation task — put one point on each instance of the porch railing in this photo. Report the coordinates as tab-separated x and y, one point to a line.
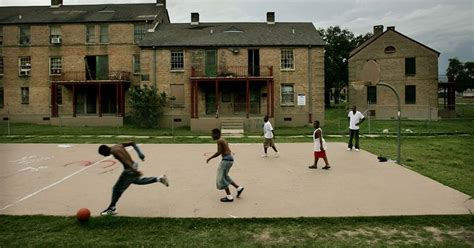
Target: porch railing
82	76
233	71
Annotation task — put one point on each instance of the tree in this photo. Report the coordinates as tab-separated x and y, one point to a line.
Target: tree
461	74
339	43
147	106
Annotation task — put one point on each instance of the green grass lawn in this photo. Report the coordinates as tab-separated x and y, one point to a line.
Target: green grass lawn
420	231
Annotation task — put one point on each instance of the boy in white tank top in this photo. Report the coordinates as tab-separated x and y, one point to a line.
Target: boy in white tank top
320	147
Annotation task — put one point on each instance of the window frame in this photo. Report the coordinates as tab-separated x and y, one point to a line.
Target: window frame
138	32
60	68
284	58
2	66
410	101
90	37
23	35
104	37
172	63
282	97
136	70
25	67
409	71
1	35
2	97
25	98
55	32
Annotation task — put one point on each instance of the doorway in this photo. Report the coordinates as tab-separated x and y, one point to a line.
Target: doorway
97	67
254	62
211	63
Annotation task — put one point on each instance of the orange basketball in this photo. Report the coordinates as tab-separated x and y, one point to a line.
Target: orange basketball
83	214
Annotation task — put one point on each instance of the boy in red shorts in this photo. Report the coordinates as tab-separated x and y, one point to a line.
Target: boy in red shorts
319	147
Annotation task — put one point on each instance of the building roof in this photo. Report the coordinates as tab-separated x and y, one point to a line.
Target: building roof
80	13
233	34
374	38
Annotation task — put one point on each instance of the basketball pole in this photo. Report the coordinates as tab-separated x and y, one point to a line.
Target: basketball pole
398	117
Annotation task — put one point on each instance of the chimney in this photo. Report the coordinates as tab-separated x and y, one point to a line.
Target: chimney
194	18
56	3
270	17
378	30
161	3
391	28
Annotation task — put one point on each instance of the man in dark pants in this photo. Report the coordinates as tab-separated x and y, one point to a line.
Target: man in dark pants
355	119
130	174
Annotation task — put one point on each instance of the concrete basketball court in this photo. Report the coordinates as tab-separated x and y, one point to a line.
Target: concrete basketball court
54	179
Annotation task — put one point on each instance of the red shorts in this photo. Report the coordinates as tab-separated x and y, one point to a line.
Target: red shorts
320	154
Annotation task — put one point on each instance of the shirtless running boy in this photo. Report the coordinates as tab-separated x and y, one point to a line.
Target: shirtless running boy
130	174
223	180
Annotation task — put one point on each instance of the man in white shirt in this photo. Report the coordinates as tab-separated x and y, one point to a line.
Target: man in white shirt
268	135
355	119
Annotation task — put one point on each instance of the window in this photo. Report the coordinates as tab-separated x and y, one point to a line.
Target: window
59	95
389	49
136	64
25	95
177	60
25	36
410	66
139	31
287	94
24	66
2	104
55	35
287	59
90	34
410	94
372	94
1	66
104	33
55	66
177	90
1	35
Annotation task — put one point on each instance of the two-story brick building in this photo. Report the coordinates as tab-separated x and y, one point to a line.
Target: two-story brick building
221	72
409	66
72	64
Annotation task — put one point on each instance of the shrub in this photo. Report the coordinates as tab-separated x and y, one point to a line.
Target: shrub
147	106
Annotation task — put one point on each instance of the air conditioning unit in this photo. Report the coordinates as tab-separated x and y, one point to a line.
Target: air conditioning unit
25	72
55	40
56	72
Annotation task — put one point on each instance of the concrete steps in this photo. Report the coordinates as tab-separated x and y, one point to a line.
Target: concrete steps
232	127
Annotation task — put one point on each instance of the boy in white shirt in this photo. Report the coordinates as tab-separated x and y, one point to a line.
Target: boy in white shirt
355	119
269	135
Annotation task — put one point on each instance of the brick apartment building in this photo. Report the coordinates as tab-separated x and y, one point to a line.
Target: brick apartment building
235	73
409	66
73	62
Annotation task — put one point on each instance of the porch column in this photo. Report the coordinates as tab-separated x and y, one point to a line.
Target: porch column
54	104
122	99
117	99
192	99
217	98
247	97
74	100
268	98
272	107
100	100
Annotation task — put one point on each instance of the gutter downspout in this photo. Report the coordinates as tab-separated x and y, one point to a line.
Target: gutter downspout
154	66
310	86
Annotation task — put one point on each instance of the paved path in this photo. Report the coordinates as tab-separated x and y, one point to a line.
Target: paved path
59	179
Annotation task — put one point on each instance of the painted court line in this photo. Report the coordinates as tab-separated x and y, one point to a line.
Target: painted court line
53	184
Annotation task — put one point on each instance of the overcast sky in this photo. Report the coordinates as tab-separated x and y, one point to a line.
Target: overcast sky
444	25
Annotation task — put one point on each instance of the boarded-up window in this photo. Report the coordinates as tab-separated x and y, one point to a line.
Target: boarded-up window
410	94
372	94
410	66
177	91
25	95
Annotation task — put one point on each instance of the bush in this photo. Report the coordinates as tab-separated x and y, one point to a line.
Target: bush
147	106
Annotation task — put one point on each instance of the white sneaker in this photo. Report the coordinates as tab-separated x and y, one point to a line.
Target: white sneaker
349	149
264	155
109	212
164	180
277	155
357	150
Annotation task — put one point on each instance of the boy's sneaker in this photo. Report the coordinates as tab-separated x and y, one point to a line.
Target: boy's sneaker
225	199
357	150
164	180
109	212
277	155
264	155
349	149
239	191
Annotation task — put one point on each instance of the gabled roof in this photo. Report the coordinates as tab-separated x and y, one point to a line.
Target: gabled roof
80	13
233	34
374	38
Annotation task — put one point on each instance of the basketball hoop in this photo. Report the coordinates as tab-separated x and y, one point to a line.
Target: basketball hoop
359	85
370	73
